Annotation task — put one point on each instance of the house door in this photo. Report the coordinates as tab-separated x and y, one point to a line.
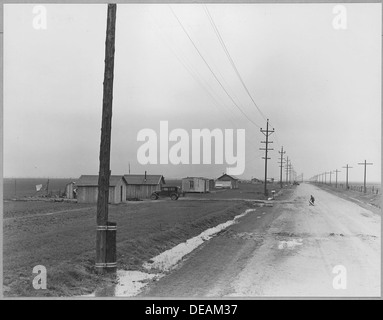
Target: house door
121	193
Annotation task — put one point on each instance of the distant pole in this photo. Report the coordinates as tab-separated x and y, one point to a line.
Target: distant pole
267	133
129	167
15	189
365	163
106	128
347	167
325	177
336	178
330	176
281	165
287	172
48	187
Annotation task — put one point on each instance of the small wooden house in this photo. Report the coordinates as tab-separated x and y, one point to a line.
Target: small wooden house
87	189
195	184
226	181
141	186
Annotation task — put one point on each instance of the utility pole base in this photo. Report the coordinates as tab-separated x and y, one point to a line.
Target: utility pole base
106	254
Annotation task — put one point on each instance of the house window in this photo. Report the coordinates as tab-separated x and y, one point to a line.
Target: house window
191	184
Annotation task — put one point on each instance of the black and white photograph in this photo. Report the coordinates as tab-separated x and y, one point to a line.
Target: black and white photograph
201	150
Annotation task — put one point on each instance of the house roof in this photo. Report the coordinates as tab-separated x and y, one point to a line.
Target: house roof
226	175
151	179
197	178
92	181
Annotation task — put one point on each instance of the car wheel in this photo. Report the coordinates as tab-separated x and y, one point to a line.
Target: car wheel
173	197
153	197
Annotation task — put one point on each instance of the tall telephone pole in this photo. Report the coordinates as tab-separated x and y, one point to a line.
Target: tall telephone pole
365	163
347	167
106	128
330	176
281	165
287	172
336	178
267	133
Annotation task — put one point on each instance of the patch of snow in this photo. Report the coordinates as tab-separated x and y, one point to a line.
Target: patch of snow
130	283
168	259
291	244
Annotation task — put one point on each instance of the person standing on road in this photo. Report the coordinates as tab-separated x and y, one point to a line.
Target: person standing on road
312	200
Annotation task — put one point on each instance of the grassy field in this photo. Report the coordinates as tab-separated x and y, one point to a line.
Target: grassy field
61	236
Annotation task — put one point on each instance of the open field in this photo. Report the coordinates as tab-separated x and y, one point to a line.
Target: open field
61	236
26	187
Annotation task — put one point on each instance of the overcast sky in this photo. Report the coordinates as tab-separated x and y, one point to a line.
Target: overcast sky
319	86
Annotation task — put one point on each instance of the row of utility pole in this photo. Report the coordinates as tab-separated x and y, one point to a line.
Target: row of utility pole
290	172
322	177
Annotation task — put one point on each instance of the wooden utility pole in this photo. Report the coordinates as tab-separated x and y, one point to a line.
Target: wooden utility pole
330	172
287	171
365	164
347	167
281	165
102	246
336	178
267	133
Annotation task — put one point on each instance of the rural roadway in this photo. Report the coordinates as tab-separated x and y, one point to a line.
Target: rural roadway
292	249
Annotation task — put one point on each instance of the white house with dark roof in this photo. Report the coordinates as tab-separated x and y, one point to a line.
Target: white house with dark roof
196	184
87	189
141	186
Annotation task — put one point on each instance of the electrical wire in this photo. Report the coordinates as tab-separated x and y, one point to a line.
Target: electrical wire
211	70
231	59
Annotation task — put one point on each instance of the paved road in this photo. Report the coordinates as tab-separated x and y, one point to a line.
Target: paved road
291	249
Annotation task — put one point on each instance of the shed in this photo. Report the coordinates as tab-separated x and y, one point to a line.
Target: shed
195	184
226	181
87	189
141	186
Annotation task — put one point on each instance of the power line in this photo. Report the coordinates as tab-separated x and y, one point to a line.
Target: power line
194	73
231	60
211	70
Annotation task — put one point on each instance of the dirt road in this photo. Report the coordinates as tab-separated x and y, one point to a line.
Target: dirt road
291	249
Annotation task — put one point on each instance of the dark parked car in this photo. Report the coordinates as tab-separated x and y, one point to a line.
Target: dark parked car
173	192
